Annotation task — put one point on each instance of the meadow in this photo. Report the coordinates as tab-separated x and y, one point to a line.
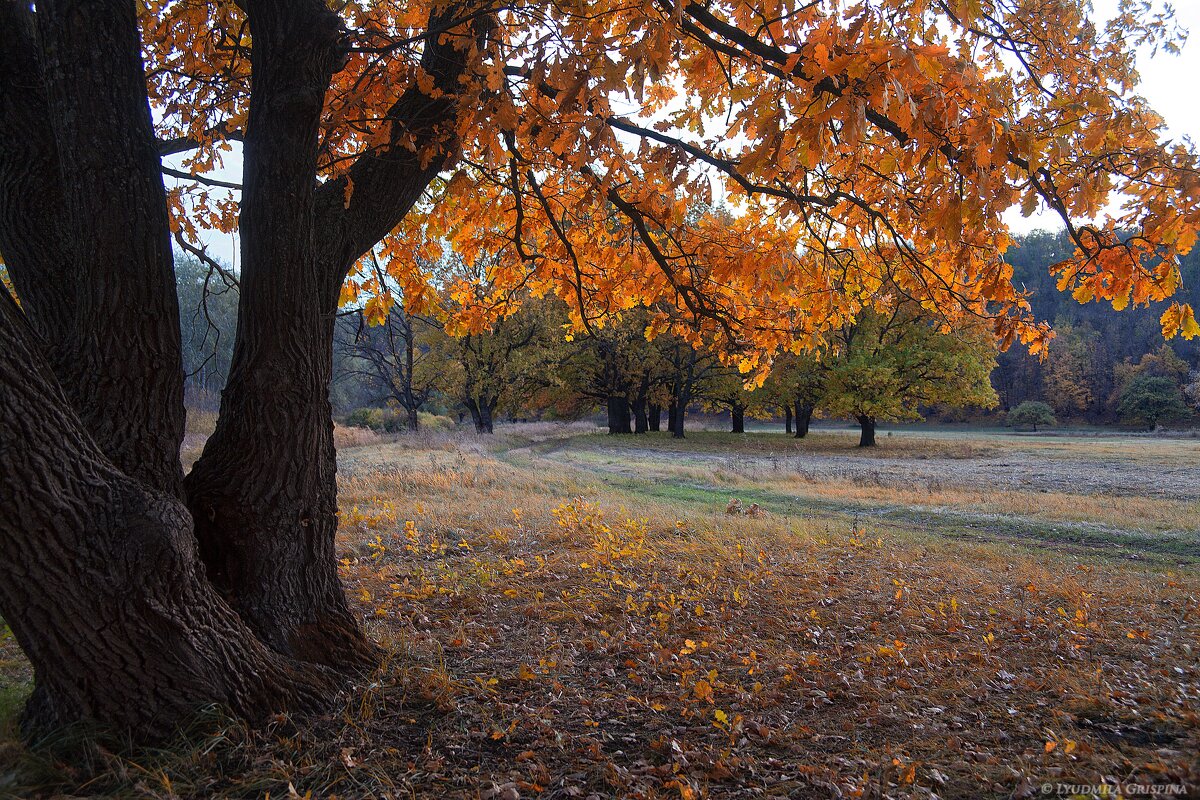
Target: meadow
569	614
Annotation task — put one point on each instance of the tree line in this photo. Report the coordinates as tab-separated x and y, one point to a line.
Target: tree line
1102	367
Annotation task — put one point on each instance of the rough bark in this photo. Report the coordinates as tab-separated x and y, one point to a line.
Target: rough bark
804	412
654	417
787	419
867	436
100	580
263	493
32	209
102	215
737	415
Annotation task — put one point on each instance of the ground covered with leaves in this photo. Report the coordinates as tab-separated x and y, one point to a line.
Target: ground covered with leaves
553	635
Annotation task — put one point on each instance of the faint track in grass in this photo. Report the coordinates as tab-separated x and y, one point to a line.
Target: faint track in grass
1178	547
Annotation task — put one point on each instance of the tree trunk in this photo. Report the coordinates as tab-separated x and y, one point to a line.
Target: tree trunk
619	419
867	438
641	421
413	420
804	412
654	417
681	405
486	422
116	350
481	414
672	415
101	584
737	416
263	493
787	419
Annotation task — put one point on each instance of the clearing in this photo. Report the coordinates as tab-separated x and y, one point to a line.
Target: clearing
576	615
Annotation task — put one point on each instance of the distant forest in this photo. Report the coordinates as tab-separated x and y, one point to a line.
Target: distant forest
1096	349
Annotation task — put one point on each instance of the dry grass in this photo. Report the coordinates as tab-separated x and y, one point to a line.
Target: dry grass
553	636
345	437
1147	485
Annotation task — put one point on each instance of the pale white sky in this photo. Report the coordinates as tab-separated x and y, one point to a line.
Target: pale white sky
1169	82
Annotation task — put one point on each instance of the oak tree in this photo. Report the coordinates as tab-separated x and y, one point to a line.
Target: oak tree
856	147
890	364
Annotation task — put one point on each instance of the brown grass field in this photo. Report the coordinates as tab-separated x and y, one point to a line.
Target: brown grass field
575	615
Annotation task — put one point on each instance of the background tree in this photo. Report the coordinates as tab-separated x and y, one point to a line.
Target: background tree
208	301
886	366
798	384
503	366
1152	400
687	370
1069	370
398	358
1030	414
616	367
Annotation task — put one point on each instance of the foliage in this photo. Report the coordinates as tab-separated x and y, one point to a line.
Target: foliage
888	365
1152	400
1068	368
879	144
387	420
1031	414
1114	337
1161	363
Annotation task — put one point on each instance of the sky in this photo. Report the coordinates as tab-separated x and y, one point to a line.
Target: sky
1168	81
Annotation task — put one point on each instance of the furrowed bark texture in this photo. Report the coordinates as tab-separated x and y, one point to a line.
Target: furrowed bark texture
117	354
264	492
100	581
32	210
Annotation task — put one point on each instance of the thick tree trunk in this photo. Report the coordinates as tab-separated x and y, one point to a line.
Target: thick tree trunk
481	414
804	412
681	405
33	235
413	420
737	415
672	415
619	418
867	424
116	350
101	584
263	493
787	419
641	421
654	417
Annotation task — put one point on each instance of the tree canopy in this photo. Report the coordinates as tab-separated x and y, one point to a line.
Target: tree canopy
851	147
